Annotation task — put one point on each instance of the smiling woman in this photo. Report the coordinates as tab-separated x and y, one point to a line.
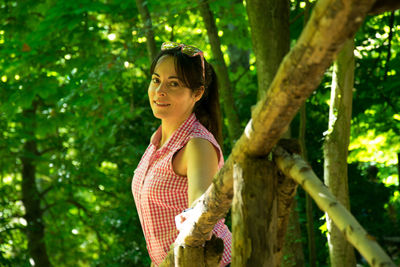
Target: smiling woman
184	153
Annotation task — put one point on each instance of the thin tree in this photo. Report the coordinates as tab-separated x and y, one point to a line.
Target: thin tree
234	128
35	230
336	150
148	28
312	258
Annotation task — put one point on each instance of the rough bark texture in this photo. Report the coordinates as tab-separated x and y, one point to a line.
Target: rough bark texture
254	213
331	23
35	229
293	255
226	90
296	168
336	150
209	255
148	27
269	24
271	42
286	192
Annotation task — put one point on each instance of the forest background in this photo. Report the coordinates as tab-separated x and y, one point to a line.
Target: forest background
75	120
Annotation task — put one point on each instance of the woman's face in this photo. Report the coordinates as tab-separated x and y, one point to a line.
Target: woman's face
168	96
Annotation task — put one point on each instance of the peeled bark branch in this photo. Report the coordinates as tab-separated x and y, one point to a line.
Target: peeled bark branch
295	167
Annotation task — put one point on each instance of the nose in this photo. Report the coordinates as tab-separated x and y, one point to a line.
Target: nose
161	89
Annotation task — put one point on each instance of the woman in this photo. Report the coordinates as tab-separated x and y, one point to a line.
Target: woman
183	155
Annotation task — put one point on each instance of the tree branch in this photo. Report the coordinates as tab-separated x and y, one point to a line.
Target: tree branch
17	227
296	168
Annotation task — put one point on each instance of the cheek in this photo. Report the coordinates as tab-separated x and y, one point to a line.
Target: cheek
150	92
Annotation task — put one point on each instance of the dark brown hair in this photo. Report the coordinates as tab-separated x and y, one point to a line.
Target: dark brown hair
189	70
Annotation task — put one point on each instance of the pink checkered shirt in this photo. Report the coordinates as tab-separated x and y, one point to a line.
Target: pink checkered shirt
160	194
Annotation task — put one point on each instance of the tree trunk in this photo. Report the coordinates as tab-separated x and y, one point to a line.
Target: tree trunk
254	213
312	257
148	28
293	250
238	57
269	23
31	200
336	150
270	32
229	106
398	170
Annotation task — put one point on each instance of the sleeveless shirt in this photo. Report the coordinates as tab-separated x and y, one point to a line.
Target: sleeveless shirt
160	194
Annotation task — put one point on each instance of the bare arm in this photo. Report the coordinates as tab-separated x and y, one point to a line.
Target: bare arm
202	165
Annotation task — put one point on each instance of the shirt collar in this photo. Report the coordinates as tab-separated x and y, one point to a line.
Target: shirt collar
180	134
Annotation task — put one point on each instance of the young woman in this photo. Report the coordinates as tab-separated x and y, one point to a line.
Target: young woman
184	153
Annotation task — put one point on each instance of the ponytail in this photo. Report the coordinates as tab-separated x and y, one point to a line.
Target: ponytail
207	109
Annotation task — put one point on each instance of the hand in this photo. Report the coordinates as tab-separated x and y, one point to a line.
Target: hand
182	221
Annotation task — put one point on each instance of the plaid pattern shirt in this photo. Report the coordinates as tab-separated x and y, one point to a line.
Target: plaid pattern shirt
160	194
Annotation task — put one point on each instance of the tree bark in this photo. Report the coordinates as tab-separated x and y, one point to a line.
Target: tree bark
229	106
148	28
336	150
270	32
269	24
292	165
293	255
286	192
254	213
35	229
298	75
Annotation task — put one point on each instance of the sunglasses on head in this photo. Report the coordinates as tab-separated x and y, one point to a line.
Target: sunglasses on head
189	50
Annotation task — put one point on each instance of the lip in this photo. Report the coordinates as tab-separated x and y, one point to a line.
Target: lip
161	104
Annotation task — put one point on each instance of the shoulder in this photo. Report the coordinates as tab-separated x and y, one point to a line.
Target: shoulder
198	144
200	148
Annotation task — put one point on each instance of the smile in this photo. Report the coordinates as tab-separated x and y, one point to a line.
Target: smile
161	104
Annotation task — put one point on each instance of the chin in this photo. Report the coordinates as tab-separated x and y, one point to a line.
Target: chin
159	115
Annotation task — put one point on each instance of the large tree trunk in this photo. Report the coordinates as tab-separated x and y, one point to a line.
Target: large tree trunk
269	24
271	42
336	150
148	28
229	106
31	199
254	213
298	75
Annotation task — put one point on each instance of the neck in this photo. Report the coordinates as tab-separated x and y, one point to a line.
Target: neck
168	127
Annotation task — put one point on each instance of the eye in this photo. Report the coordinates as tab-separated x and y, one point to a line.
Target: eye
174	84
155	80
